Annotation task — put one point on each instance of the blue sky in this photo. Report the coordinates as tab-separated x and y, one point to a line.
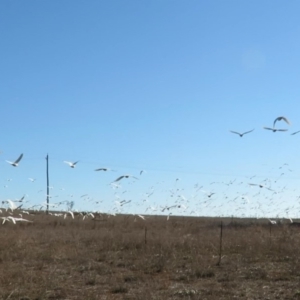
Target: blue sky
154	86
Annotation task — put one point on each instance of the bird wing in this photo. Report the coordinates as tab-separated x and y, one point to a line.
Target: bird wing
295	132
281	129
12	204
4	219
12	219
119	178
235	132
248	131
268	128
22	220
19	158
286	120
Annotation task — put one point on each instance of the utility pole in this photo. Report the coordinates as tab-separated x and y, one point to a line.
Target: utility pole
47	174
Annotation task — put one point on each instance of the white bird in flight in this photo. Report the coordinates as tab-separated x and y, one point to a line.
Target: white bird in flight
274	129
123	176
281	118
15	163
261	186
71	214
12	204
241	134
71	164
104	169
209	194
272	222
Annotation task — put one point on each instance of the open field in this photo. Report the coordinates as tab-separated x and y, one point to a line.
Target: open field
125	257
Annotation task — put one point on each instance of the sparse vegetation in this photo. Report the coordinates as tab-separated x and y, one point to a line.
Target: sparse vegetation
55	258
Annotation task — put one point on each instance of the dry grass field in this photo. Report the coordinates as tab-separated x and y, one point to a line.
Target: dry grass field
117	258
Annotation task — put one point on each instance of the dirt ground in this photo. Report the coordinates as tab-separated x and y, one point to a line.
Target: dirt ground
126	257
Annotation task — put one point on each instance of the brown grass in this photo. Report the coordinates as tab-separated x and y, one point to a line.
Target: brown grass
53	258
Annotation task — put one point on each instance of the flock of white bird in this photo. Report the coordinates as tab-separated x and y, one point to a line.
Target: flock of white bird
177	202
16	205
